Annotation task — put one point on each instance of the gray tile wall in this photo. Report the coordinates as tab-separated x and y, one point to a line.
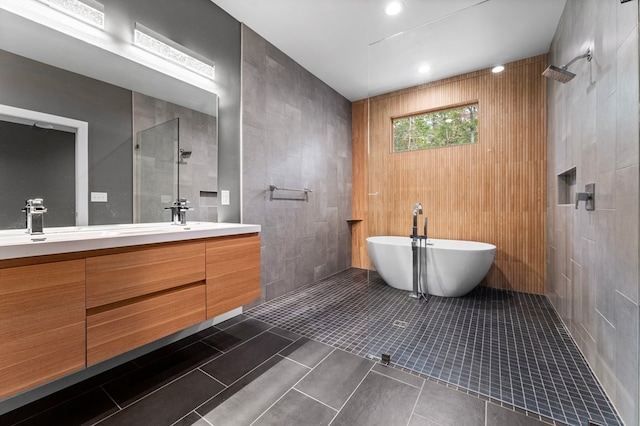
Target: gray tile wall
593	256
296	133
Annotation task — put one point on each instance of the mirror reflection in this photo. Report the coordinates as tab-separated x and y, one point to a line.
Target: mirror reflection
125	177
42	160
175	156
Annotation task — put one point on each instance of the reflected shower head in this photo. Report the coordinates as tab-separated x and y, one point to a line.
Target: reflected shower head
185	153
562	74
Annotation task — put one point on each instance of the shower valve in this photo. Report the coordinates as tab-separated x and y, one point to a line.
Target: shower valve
588	197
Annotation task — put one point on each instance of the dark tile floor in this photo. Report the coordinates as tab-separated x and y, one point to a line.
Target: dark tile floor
506	346
245	372
299	360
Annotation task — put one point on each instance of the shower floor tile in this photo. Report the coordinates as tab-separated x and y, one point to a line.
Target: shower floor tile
506	346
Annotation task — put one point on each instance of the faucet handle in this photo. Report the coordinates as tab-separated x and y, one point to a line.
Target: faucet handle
588	196
34	205
582	196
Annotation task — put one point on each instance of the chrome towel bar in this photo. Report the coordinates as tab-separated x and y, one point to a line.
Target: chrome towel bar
277	188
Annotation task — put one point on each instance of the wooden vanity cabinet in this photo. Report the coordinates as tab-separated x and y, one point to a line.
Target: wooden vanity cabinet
63	313
233	272
138	295
42	323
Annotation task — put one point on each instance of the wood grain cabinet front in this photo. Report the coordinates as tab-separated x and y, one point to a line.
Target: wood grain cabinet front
233	273
42	323
139	271
118	328
141	294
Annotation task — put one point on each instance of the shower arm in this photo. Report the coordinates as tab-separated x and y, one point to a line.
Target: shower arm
586	55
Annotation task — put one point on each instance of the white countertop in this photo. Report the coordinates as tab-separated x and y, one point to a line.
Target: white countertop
17	243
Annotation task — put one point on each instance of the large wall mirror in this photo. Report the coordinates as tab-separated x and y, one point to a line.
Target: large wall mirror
150	138
151	126
172	153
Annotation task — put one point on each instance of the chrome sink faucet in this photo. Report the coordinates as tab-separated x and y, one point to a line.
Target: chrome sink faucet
179	211
35	211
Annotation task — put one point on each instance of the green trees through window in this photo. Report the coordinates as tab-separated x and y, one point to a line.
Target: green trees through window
454	126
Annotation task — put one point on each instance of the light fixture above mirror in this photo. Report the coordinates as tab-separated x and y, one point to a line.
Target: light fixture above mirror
88	11
171	51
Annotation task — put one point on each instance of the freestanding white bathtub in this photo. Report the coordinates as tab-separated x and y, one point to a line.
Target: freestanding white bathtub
454	268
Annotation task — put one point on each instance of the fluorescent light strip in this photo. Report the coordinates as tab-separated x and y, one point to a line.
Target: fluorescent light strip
167	49
88	11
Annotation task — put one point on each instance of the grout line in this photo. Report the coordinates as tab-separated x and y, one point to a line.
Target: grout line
393	378
207	374
110	397
244	375
356	388
415	404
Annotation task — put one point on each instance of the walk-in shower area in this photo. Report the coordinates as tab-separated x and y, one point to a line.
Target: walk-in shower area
503	346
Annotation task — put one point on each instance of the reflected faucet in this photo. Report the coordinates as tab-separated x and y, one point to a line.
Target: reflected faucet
179	211
35	211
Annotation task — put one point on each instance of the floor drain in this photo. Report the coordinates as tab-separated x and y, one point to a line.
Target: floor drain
401	324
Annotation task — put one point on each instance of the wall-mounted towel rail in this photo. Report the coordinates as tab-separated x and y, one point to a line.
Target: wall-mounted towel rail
304	196
277	188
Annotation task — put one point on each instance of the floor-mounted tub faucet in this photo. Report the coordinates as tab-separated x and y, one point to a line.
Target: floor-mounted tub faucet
417	250
35	211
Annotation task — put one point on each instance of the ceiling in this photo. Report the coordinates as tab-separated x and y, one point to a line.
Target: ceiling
359	51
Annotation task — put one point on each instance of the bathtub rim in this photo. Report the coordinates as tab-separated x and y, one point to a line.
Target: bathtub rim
436	243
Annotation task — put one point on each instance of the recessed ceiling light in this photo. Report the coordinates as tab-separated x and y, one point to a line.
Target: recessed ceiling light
497	69
394	7
423	69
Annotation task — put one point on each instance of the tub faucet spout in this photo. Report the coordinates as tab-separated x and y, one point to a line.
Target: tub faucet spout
417	209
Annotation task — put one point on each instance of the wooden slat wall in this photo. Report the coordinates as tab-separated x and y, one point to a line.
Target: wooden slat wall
359	135
491	191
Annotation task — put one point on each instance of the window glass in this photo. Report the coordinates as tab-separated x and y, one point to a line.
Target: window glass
446	127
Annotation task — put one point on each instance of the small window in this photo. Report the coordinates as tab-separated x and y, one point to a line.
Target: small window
446	127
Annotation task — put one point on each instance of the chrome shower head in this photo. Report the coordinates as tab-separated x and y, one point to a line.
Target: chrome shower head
562	74
417	209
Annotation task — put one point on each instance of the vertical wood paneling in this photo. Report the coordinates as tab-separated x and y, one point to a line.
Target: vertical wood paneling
359	117
492	191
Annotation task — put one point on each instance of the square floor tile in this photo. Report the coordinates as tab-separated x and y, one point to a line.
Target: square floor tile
379	400
335	378
295	408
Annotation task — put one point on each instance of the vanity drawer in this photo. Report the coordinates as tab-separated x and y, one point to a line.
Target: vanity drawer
118	328
233	273
42	323
139	271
